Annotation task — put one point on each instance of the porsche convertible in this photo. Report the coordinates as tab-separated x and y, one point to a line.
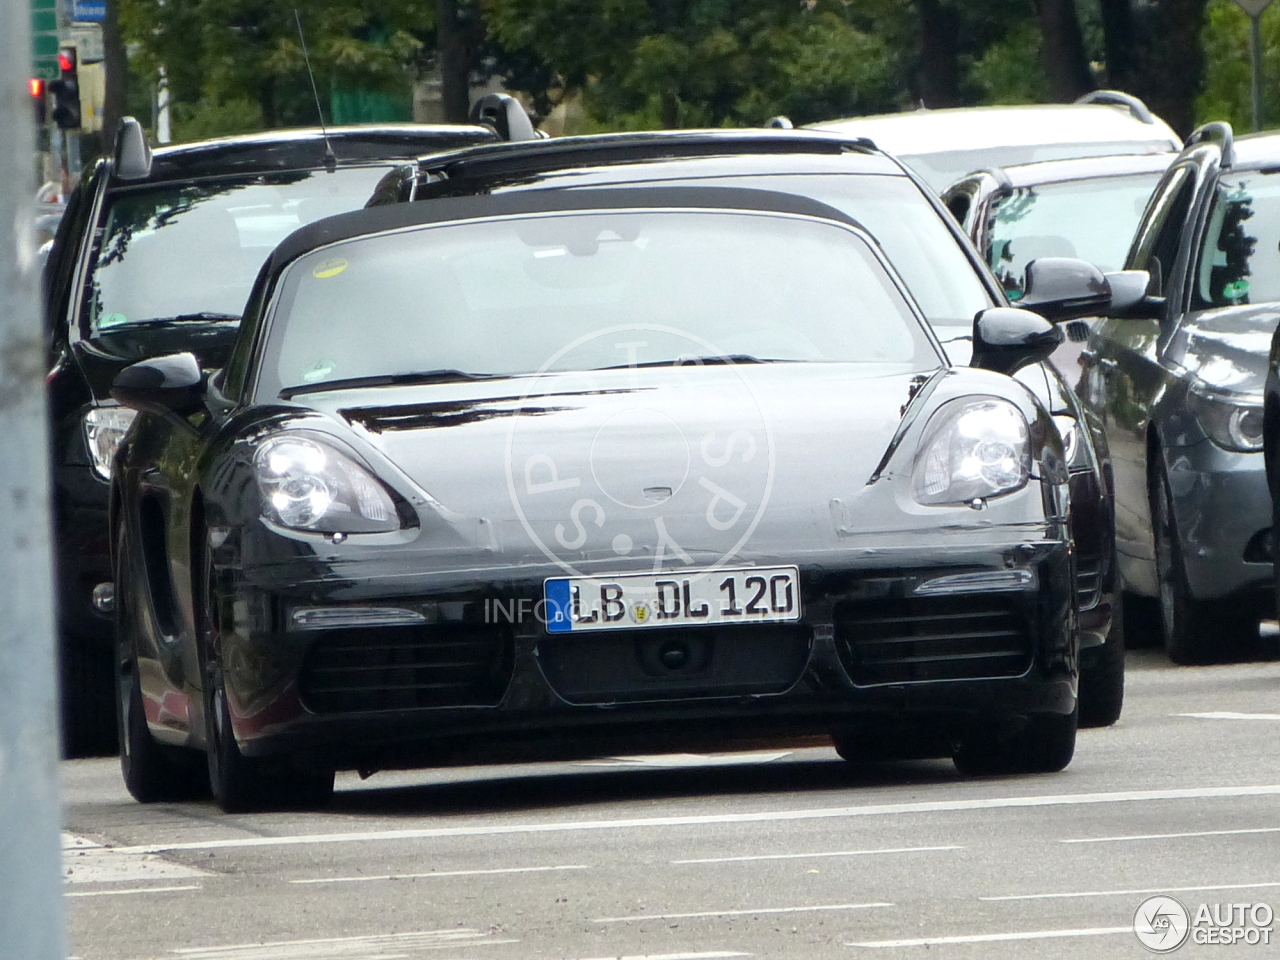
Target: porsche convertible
563	475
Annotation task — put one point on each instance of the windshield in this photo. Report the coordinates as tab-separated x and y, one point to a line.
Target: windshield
1239	262
944	168
519	295
194	248
1092	220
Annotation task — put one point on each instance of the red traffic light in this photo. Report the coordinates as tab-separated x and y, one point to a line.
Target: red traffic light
36	86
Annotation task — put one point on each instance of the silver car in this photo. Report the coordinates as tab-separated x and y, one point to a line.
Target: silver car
1177	379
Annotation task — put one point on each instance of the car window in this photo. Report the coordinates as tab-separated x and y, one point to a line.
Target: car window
178	249
518	295
1092	220
1239	260
1155	248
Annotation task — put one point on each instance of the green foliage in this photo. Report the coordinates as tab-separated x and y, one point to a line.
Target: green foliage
686	63
223	56
1228	82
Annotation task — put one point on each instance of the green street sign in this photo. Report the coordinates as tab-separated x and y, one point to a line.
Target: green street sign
44	39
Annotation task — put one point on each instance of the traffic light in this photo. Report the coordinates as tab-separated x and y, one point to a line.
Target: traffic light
37	88
66	91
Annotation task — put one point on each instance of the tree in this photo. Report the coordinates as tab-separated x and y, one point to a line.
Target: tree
681	63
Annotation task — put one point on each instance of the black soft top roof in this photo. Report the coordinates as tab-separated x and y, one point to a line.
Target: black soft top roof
374	220
303	149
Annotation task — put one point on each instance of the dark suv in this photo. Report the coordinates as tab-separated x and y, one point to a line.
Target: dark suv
156	255
942	270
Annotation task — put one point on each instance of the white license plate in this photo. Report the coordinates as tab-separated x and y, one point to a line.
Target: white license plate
696	598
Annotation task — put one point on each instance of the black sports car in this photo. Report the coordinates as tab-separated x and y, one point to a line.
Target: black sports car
156	254
571	474
943	273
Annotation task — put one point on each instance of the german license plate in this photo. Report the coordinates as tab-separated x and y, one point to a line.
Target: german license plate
697	598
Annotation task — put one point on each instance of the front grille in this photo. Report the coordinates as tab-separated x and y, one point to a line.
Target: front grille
921	639
396	668
1088	583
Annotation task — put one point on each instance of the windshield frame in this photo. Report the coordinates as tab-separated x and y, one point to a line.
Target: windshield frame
78	321
255	391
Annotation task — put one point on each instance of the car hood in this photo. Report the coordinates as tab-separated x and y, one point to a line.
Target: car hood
1227	350
107	354
625	462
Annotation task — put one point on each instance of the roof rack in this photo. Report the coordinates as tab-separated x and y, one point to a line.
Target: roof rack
1220	132
500	159
1118	98
504	113
133	153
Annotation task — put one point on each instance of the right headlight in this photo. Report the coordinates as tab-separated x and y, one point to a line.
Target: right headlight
1233	422
972	449
307	484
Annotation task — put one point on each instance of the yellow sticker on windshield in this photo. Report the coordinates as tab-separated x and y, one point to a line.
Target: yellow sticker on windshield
330	268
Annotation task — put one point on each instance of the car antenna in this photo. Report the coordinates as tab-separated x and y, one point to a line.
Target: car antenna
330	161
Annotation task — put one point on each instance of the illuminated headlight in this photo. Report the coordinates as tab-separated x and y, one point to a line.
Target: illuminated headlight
104	428
1074	445
972	450
1232	422
307	484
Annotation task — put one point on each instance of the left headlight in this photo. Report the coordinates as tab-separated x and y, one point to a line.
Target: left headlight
104	428
307	484
1232	422
971	450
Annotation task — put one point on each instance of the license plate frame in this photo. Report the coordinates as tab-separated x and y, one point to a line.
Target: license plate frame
695	598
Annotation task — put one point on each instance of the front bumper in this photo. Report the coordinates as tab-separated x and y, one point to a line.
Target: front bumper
479	680
1222	508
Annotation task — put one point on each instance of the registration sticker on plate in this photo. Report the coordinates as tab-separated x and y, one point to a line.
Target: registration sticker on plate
696	598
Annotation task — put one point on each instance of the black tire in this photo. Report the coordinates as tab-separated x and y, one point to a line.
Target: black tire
1102	678
242	784
1195	631
153	772
1045	744
87	698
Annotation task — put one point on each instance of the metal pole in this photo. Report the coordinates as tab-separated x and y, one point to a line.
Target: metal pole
31	918
1255	54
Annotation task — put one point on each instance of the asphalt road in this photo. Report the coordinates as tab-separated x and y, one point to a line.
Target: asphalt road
776	855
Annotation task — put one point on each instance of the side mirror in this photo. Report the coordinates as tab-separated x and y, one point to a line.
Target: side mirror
1006	339
1061	288
162	385
1131	296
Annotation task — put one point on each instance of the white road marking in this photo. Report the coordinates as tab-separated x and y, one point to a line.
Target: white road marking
998	937
713	955
743	913
1173	836
375	947
1117	893
820	813
130	890
438	873
804	856
104	865
674	760
1227	715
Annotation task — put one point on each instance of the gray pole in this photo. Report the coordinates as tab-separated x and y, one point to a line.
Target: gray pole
31	919
1255	53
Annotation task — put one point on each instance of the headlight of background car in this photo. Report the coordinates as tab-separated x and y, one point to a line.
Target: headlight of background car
971	450
1074	444
308	485
104	428
1232	422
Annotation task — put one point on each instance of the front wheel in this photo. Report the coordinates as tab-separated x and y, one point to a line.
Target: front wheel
1045	744
1194	630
